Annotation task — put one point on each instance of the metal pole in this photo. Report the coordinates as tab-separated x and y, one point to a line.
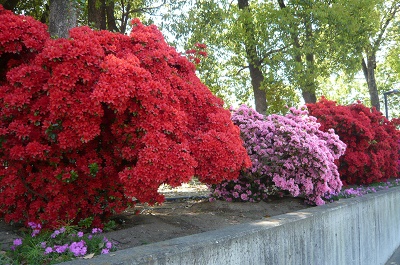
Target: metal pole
394	91
386	107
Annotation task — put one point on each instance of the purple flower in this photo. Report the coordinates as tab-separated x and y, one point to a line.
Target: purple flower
105	251
43	244
34	225
55	234
35	232
80	234
61	249
17	242
48	250
244	197
78	248
96	230
108	245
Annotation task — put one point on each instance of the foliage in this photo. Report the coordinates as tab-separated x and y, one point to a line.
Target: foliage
371	139
335	43
91	123
291	153
51	247
220	25
320	39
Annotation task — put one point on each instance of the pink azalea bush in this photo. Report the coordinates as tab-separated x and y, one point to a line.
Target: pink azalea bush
288	153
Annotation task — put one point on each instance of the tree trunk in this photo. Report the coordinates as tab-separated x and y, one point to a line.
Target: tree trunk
97	14
260	97
307	83
63	17
310	86
111	25
309	97
256	75
369	74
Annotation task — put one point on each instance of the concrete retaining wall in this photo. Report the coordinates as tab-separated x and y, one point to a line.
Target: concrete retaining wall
363	230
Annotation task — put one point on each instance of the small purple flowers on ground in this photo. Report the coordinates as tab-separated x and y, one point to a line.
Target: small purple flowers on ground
62	244
17	242
78	248
35	228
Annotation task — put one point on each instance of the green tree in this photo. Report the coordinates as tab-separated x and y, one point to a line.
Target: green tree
324	38
378	36
112	15
265	43
38	9
242	49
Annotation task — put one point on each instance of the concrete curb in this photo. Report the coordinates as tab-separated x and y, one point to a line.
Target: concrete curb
363	230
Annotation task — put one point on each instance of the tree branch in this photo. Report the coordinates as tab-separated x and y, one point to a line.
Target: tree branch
390	16
147	9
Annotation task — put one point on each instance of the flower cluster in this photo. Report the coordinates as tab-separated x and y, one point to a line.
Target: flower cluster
91	122
21	39
241	190
372	152
396	122
398	161
362	190
195	55
63	244
291	153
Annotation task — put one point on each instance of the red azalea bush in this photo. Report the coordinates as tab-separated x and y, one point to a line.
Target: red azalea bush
372	149
91	123
396	122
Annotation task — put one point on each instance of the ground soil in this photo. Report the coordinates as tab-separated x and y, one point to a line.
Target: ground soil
187	211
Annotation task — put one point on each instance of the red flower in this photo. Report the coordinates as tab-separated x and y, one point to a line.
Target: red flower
89	122
371	139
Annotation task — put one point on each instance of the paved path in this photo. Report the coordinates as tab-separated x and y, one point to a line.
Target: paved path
6	236
395	259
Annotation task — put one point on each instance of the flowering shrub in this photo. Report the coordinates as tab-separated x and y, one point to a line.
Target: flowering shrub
288	152
396	122
241	190
91	123
197	53
372	149
63	244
